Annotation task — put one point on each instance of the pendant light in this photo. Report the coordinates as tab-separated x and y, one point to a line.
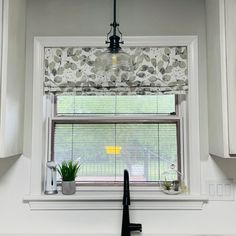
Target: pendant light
114	59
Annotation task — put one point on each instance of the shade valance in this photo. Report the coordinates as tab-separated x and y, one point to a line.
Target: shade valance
157	70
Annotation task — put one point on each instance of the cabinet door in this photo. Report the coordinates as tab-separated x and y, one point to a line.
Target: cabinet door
230	26
12	77
217	95
1	23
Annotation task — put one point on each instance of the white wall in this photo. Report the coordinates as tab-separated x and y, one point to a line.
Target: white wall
92	18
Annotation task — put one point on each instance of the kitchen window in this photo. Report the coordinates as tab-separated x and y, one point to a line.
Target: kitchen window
188	105
108	134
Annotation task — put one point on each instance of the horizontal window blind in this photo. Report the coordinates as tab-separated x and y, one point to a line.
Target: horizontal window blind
105	150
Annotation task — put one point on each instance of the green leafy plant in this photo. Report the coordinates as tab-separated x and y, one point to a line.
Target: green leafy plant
68	170
166	185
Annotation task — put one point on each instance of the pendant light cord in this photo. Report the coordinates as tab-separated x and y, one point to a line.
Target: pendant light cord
114	21
114	11
114	40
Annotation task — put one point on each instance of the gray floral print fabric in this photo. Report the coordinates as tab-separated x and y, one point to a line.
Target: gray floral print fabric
157	70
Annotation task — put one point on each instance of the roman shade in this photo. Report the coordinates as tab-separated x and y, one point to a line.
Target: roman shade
157	70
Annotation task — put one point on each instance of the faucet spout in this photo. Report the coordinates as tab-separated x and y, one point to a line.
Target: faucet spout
126	193
127	227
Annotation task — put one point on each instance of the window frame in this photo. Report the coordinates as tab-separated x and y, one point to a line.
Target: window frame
191	130
116	119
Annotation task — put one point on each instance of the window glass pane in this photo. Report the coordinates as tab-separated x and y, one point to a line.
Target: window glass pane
147	151
76	105
162	104
88	144
105	150
166	104
136	104
63	142
167	150
72	105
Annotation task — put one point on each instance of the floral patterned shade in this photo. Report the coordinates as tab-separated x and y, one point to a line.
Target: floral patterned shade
157	70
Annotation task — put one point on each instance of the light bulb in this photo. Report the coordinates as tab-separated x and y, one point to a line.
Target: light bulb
114	61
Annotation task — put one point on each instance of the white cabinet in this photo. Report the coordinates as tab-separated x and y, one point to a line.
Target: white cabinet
12	80
231	71
221	53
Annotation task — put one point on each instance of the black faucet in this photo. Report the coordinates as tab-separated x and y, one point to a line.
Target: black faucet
127	227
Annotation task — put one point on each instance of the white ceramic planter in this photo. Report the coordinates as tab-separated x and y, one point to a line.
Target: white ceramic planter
68	187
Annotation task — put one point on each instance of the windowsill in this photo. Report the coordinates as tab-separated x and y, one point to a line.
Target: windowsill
112	200
112	234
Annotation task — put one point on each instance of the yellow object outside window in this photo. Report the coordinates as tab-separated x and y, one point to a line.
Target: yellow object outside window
113	149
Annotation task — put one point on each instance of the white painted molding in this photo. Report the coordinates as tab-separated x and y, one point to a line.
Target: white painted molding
114	205
39	121
101	201
194	164
135	41
110	234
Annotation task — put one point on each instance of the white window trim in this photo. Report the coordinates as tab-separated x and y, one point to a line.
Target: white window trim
143	197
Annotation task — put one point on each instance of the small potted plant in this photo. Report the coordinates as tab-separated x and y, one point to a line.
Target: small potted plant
171	187
68	171
166	185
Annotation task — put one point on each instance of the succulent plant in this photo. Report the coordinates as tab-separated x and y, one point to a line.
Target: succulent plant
68	170
166	185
